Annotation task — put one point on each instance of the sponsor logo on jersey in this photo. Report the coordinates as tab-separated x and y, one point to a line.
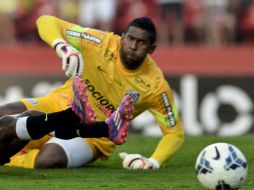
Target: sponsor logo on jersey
32	101
169	109
83	36
143	83
110	56
134	95
98	96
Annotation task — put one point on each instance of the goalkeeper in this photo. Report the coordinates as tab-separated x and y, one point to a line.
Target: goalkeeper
112	66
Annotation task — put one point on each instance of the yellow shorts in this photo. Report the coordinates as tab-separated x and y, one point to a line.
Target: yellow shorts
58	100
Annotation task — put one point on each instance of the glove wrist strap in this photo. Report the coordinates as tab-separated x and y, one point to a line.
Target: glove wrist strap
57	45
56	42
155	163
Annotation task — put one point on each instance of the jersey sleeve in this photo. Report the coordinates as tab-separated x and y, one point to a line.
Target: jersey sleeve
166	114
83	39
164	108
51	28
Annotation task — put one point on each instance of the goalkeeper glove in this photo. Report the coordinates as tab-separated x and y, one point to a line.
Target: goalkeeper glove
137	161
72	61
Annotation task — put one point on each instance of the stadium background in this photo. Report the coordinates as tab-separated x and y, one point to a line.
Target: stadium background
211	72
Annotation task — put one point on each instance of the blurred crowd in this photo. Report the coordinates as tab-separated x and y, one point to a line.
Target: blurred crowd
179	22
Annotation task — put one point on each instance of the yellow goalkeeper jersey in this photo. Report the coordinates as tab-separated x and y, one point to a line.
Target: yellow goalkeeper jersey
108	80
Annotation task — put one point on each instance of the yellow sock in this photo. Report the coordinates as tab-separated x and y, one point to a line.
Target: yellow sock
24	159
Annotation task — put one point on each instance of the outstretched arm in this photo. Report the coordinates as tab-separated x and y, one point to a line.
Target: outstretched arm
169	145
165	112
54	32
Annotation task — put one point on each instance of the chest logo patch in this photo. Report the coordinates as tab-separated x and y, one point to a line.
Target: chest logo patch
134	95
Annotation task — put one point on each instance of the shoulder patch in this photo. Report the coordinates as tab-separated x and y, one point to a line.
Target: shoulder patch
169	109
83	35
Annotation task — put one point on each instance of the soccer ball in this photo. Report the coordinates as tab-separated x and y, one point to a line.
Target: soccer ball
221	166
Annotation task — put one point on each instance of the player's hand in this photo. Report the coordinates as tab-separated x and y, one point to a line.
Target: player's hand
137	161
72	61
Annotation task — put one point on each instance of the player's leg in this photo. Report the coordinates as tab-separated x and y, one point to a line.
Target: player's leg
65	122
24	129
115	128
80	104
59	153
12	108
117	122
9	143
15	132
50	103
51	155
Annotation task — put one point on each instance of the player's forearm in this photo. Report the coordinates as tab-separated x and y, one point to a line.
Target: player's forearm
49	28
168	146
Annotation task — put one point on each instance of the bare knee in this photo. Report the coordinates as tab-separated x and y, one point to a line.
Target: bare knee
7	120
51	156
43	161
12	108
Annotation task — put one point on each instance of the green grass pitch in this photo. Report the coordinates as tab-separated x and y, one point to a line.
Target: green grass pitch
176	174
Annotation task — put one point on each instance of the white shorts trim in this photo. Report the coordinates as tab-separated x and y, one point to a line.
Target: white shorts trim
77	150
21	129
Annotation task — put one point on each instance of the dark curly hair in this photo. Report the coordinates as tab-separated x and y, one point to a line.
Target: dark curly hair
144	23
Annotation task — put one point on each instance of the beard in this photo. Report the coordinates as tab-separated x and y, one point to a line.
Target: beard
130	61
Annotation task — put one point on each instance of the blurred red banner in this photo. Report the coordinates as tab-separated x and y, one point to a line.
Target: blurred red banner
199	60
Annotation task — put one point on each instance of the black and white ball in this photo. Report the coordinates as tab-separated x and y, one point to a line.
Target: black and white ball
221	166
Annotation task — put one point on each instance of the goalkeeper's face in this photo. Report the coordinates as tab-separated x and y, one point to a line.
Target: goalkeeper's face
135	45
